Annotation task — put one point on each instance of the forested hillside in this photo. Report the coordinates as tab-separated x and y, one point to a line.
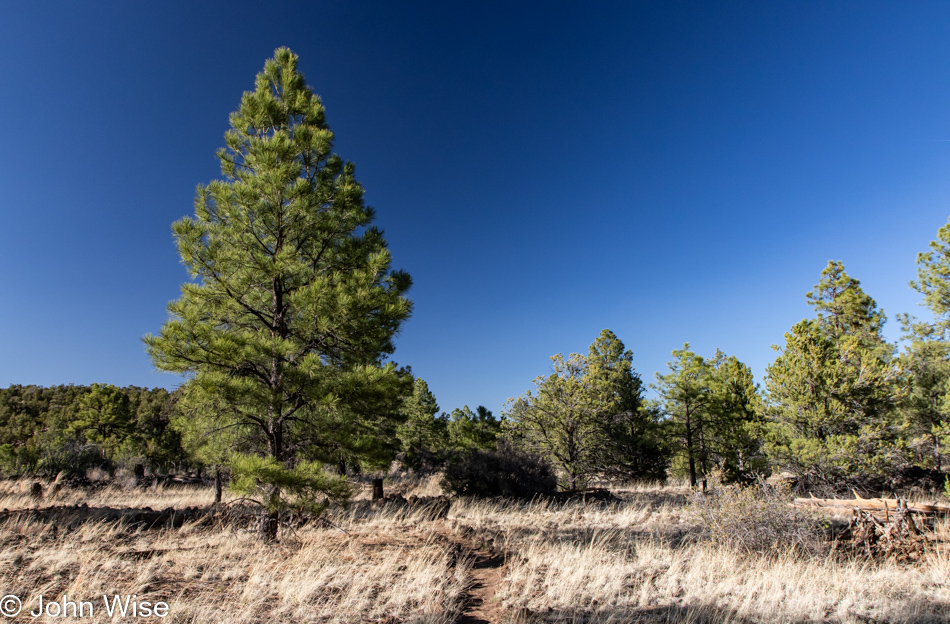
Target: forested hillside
73	428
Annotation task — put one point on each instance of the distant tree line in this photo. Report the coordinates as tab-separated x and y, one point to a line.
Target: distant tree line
74	428
841	406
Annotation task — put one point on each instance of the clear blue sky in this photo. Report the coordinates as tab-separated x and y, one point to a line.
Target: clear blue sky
672	171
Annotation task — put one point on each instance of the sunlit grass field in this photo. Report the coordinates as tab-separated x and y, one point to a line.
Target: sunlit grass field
640	559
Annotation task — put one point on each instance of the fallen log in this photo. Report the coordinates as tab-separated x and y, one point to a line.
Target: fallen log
874	504
71	517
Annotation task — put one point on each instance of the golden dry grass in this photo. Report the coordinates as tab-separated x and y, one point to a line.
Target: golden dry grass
16	495
637	561
632	561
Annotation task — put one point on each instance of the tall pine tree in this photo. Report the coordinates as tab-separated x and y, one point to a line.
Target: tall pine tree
424	435
709	410
633	446
292	306
833	389
927	356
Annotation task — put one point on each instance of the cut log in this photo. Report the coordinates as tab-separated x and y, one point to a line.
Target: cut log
878	504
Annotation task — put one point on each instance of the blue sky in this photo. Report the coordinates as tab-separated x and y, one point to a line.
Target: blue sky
675	171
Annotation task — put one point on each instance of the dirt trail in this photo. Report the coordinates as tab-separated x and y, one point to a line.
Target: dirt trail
488	571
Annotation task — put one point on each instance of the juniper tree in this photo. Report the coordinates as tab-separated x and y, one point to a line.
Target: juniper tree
292	307
104	418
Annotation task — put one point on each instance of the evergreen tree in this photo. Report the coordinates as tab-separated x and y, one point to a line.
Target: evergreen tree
633	446
588	417
844	309
832	390
926	359
563	422
424	435
710	410
104	418
468	430
736	416
293	305
684	399
926	406
933	278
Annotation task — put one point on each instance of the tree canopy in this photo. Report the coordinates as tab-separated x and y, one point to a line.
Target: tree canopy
587	417
293	305
833	388
709	410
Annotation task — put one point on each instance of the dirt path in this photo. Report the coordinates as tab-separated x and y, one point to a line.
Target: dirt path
487	574
488	571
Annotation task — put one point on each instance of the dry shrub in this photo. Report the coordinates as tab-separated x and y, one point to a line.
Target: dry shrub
758	519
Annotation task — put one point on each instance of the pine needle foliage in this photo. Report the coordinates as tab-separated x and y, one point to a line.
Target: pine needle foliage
588	417
833	390
276	487
292	305
927	357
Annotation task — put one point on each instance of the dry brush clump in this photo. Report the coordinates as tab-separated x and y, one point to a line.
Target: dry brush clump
760	519
506	472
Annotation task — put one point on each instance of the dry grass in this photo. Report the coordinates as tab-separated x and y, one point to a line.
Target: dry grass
387	570
637	561
16	495
406	485
632	561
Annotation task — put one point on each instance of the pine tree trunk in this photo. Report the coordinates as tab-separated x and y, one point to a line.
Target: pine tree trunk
217	484
936	442
703	459
689	454
270	521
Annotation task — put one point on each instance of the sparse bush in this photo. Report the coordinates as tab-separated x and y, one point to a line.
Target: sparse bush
758	519
504	472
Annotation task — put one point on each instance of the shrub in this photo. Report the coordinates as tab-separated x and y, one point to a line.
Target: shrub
503	472
757	518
